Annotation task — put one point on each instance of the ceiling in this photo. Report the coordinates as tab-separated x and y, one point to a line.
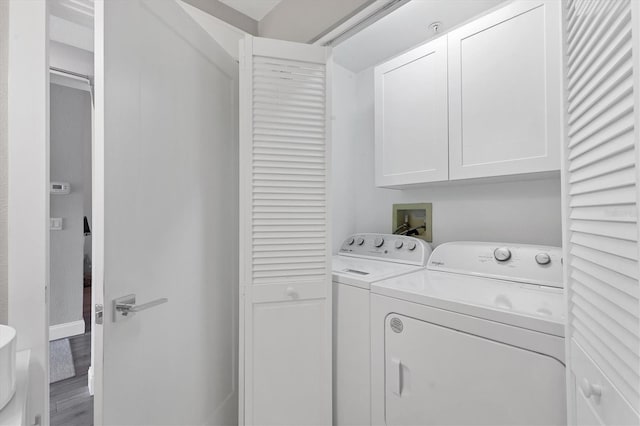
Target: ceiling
404	28
81	11
255	9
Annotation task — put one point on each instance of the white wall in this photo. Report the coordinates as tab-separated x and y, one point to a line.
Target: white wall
71	33
70	141
4	35
343	186
508	211
70	58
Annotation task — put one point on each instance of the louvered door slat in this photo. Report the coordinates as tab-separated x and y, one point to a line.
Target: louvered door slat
285	253
604	181
601	182
617	213
609	100
586	101
621	340
593	59
580	44
611	245
622	140
602	294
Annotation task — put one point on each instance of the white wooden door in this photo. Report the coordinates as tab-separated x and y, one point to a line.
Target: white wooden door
285	285
165	217
411	134
601	211
505	92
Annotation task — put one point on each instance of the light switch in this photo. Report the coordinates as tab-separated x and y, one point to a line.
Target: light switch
55	224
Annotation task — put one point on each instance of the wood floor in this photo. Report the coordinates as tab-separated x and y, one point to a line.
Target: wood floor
71	404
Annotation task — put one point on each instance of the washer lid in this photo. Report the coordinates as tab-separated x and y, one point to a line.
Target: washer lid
522	263
530	306
362	272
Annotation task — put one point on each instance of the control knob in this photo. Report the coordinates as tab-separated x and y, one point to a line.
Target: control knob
502	254
378	242
543	258
350	241
411	245
399	244
360	241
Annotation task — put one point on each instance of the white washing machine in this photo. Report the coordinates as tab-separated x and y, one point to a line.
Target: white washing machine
362	260
477	338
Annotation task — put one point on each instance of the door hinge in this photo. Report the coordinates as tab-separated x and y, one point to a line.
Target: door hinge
99	315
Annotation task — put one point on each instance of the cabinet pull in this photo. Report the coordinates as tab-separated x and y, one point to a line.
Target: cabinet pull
589	389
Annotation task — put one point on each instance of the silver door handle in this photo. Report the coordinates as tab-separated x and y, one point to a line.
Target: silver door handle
124	307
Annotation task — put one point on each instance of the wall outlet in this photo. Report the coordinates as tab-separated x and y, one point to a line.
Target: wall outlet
416	219
55	224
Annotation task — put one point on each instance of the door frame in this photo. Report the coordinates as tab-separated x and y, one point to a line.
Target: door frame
66	78
28	211
96	376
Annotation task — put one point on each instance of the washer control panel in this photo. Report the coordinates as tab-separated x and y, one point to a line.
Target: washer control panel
387	247
523	263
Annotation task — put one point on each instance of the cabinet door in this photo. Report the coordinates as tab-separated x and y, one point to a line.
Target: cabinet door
505	92
411	117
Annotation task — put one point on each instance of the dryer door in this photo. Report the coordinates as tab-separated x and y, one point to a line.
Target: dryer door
440	376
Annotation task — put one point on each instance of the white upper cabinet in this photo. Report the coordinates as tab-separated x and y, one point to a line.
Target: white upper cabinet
411	117
505	92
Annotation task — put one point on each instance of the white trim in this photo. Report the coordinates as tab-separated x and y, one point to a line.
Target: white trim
564	181
28	212
358	22
90	380
68	80
97	209
245	87
15	412
66	329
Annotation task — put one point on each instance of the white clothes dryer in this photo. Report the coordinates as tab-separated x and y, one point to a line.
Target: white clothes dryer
477	338
362	260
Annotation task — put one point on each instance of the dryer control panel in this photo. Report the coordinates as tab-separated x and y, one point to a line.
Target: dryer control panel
522	263
387	247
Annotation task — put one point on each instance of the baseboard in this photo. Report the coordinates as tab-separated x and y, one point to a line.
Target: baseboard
90	382
67	329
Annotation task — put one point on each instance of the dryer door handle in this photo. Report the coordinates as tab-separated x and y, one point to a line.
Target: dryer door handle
395	378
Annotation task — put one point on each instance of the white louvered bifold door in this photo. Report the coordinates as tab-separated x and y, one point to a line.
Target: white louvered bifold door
601	214
285	281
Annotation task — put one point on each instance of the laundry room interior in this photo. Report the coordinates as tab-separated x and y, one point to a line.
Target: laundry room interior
305	212
512	208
